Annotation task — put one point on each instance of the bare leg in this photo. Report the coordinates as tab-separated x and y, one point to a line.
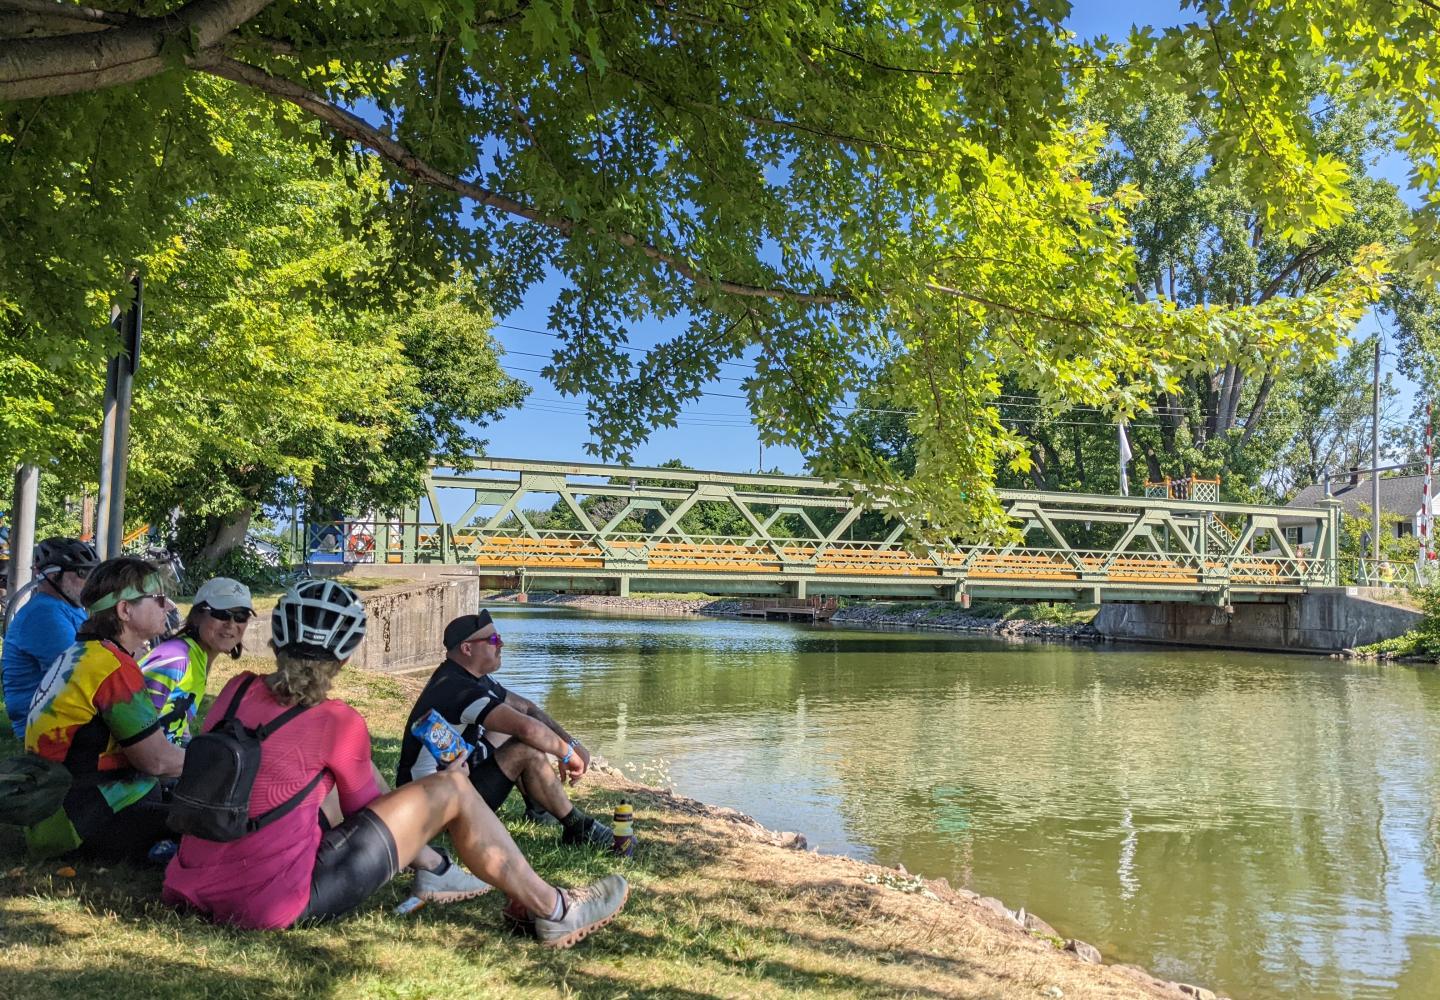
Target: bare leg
522	762
447	801
427	858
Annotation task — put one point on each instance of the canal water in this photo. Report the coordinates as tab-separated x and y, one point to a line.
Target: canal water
1265	825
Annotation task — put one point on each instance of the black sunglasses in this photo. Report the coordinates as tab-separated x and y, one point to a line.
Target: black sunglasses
238	615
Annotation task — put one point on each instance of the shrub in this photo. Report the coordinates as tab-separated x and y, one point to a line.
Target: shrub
1427	633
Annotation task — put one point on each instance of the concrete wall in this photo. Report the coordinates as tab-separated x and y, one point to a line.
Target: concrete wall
1323	621
404	622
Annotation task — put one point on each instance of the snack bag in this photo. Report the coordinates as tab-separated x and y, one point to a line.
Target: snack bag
441	739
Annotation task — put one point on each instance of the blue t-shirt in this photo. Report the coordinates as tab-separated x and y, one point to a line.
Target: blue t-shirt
40	631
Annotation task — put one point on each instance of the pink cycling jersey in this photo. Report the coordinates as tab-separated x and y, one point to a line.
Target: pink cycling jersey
263	880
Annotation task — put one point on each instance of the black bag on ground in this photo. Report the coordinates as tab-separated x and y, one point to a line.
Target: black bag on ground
31	789
212	797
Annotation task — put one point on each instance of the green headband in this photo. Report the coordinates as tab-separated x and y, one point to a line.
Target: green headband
152	585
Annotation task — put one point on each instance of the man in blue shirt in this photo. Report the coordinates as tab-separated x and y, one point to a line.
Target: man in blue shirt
45	626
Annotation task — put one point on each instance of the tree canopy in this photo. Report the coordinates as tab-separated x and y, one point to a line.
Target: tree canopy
277	362
841	192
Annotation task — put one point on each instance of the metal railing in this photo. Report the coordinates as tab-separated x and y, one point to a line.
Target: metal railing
1189	488
1386	573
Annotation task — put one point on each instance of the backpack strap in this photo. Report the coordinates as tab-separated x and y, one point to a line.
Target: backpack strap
234	705
284	808
261	732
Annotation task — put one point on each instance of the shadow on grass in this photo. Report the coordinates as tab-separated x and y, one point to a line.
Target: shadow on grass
121	977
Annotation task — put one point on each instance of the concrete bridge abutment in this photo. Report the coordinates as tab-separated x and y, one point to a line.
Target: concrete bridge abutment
1324	620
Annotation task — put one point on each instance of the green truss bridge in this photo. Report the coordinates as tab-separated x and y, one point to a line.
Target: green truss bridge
622	530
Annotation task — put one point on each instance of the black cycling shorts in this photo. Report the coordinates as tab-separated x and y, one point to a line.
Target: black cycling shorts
354	860
491	782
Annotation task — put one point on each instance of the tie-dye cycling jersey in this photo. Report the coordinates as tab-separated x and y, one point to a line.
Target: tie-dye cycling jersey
90	705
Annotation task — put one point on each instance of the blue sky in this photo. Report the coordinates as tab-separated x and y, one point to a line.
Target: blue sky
715	432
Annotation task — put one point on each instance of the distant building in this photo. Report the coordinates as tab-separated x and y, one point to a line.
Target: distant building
1399	496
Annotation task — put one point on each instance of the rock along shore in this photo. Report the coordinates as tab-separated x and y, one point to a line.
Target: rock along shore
927	616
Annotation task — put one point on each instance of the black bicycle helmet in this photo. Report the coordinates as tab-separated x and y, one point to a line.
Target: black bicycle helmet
318	620
64	555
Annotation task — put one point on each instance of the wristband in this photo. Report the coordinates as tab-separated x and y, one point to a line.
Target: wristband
568	754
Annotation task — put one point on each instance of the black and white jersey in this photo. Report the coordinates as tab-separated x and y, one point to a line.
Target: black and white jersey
465	701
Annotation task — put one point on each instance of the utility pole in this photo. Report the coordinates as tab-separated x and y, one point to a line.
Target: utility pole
1375	464
22	529
107	457
115	430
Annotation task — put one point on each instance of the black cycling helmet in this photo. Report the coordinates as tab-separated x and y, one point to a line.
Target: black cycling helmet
64	555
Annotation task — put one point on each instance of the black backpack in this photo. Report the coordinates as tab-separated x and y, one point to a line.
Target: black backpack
212	797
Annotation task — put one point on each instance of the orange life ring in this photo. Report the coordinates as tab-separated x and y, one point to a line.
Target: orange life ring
361	546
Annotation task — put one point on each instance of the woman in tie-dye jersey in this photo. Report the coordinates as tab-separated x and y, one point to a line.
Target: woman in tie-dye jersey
92	714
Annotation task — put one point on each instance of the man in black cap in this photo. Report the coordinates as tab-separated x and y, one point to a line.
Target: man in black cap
463	691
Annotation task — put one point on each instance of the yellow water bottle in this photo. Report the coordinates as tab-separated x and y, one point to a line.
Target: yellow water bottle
624	843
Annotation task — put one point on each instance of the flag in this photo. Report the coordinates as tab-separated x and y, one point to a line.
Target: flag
1125	456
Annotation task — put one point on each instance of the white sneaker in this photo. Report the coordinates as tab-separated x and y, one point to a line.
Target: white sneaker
449	886
587	909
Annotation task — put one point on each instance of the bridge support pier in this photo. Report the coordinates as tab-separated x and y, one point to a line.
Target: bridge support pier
800	589
1325	620
622	585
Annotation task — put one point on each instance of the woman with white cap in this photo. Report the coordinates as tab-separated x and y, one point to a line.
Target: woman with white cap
177	669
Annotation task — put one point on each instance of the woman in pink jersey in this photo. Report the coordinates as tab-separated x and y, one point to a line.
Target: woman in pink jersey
292	870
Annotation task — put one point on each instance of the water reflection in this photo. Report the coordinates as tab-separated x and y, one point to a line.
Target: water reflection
1264	824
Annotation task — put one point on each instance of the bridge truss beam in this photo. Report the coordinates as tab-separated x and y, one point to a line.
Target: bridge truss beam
590	527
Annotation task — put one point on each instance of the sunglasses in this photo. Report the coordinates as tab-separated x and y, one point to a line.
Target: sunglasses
493	640
237	615
160	599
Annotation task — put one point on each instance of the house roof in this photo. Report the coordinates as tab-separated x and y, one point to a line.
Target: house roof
1398	495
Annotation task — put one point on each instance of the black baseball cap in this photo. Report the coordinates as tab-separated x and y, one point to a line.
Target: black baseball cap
464	627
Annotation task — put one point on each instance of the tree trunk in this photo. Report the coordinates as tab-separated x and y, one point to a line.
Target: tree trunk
1257	409
1037	468
225	535
1152	465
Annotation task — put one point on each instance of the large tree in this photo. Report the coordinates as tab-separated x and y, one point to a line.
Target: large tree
277	363
834	189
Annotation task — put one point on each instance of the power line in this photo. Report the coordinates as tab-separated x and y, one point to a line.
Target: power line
623	347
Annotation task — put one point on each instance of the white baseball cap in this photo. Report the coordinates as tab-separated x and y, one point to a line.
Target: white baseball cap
223	593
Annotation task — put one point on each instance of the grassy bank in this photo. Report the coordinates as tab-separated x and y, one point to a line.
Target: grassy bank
717	910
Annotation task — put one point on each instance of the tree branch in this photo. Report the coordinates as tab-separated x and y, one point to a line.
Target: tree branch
358	130
1007	307
52	12
1300	260
1252	422
126	53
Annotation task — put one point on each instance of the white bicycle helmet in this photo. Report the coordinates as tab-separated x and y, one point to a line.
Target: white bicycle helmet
318	620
